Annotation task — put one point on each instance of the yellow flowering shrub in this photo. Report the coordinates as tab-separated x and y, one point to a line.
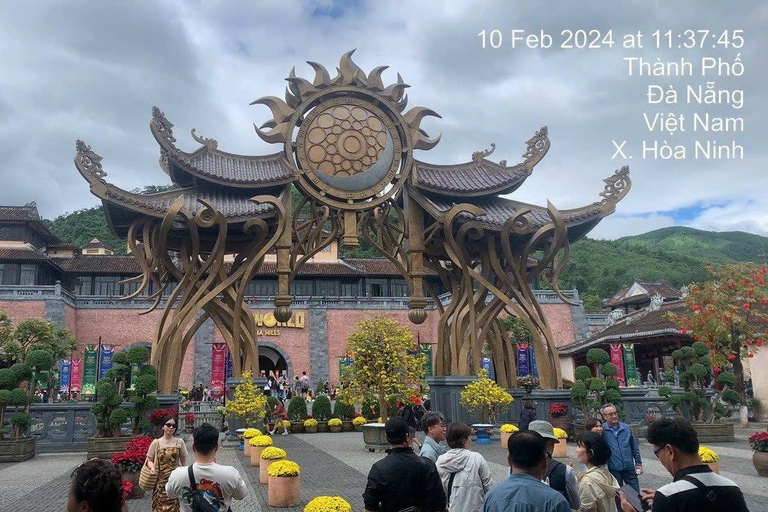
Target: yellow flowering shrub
287	423
334	422
273	453
261	441
508	428
358	421
328	504
708	455
251	432
484	397
310	422
284	468
249	403
560	433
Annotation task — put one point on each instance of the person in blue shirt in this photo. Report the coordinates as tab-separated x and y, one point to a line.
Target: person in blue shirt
625	462
523	490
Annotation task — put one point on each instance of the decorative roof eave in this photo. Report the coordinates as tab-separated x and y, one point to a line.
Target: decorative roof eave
182	166
489	177
580	346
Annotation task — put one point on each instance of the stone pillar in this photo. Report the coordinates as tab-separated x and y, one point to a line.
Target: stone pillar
318	346
203	341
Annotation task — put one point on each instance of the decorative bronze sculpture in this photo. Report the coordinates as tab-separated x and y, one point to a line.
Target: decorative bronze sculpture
348	145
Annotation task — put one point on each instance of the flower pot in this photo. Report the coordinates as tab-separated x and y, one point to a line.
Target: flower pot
505	438
347	426
136	491
297	427
563	422
714	466
283	491
322	426
189	429
247	447
310	430
483	431
263	466
239	435
561	448
375	437
256	455
358	428
17	450
760	461
714	432
106	447
335	428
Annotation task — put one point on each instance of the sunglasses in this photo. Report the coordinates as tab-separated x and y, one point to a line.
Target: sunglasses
170	425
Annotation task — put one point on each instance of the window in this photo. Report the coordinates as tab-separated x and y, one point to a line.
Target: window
399	288
2	271
350	289
106	286
84	285
376	287
327	288
262	288
11	274
302	288
28	273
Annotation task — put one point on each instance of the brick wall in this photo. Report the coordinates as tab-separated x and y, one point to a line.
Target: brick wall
560	322
20	309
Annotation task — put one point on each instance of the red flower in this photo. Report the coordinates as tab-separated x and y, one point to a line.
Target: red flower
746	305
683	331
763	270
764	301
731	356
759	342
127	488
751	354
750	292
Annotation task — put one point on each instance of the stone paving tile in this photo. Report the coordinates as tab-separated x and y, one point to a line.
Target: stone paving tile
35	482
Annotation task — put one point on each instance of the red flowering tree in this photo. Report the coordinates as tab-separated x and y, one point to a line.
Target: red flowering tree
729	314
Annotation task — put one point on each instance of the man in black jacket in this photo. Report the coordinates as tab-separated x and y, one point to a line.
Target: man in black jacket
402	479
696	487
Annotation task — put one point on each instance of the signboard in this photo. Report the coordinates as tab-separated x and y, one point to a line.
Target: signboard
426	349
107	352
76	375
534	368
269	321
618	360
135	367
229	371
218	368
91	357
65	366
485	362
522	360
630	370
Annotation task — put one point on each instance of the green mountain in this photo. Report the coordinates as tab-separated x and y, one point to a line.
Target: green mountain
82	226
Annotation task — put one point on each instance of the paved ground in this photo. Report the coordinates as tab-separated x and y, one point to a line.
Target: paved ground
334	464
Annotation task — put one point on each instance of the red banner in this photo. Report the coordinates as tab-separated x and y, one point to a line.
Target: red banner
76	376
218	369
617	358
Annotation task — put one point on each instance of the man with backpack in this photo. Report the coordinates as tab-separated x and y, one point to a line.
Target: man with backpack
205	486
559	476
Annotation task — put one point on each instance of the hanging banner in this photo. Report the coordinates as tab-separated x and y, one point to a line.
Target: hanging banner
630	370
107	352
65	366
76	375
135	367
618	360
522	360
218	369
532	358
426	349
229	365
486	363
89	371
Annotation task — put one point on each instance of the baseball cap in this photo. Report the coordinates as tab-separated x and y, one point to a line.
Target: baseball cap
396	428
544	428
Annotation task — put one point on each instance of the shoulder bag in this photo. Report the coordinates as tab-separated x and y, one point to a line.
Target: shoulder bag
147	480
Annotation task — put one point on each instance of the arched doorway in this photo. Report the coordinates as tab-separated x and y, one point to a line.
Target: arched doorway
270	360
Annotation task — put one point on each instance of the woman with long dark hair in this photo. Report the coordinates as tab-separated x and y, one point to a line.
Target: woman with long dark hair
165	455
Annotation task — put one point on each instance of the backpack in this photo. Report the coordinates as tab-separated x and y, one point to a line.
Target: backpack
199	503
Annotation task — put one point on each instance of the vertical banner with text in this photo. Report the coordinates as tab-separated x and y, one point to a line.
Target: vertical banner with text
135	367
65	375
532	359
522	360
229	370
426	349
107	352
91	357
218	369
617	359
76	376
630	370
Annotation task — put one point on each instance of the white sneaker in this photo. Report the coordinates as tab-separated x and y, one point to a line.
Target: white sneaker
285	433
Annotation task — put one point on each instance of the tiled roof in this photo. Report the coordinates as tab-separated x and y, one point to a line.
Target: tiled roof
24	213
473	178
97	244
315	268
636	325
100	264
653	289
21	253
236	170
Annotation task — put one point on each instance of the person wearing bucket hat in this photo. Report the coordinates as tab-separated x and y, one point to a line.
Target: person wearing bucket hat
559	476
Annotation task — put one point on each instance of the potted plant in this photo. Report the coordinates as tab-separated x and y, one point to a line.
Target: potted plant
328	504
310	425
130	462
755	407
284	485
249	434
485	398
110	415
558	416
759	443
223	412
145	385
561	448
529	383
258	444
345	412
19	447
507	430
249	405
710	458
269	455
358	423
334	425
189	422
321	411
297	413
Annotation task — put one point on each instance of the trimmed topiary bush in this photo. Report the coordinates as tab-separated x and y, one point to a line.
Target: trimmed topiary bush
297	409
343	411
321	408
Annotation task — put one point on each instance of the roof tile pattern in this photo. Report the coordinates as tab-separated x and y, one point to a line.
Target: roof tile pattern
100	264
237	169
23	213
476	178
21	253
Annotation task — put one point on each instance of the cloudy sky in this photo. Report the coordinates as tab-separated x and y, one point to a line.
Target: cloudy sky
93	70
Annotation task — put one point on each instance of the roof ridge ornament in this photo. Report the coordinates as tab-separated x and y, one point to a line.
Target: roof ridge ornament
208	143
89	163
537	147
617	186
656	302
162	125
478	156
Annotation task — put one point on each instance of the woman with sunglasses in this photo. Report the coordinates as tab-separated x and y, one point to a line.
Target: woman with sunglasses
165	455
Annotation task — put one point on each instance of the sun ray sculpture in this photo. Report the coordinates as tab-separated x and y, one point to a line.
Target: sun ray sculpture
347	146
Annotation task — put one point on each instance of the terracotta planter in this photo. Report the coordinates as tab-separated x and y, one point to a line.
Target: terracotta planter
263	466
505	438
322	426
563	422
106	447
17	450
283	491
246	447
714	466
297	427
760	461
311	430
335	428
256	455
136	491
346	426
561	448
714	432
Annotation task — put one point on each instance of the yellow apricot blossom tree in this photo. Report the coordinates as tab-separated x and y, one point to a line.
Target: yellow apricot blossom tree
249	403
386	363
484	397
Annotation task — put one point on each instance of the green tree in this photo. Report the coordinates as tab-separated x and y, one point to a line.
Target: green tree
35	334
387	363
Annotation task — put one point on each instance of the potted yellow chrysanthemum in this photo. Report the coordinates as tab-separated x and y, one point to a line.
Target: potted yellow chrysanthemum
507	430
561	448
334	425
328	504
710	458
269	455
310	425
284	485
248	434
258	444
